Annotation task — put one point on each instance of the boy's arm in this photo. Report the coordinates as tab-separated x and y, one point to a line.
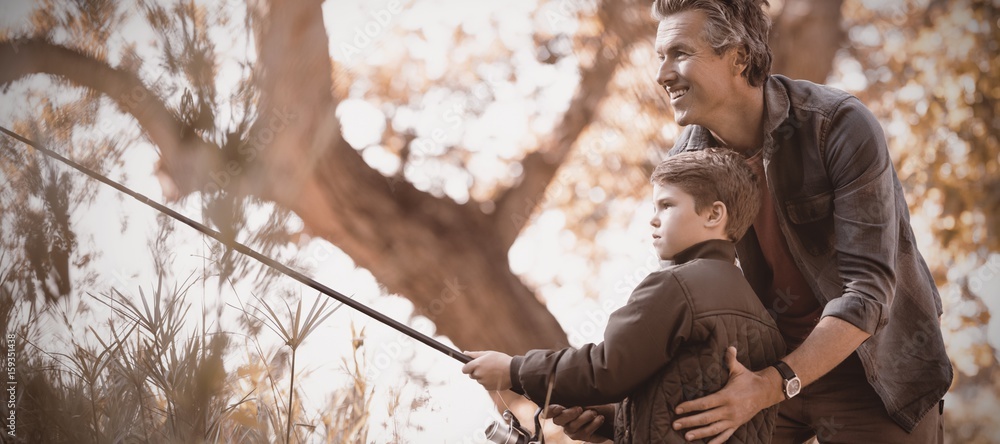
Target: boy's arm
640	338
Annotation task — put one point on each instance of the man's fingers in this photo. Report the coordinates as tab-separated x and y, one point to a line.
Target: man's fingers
707	432
721	439
701	419
701	404
474	354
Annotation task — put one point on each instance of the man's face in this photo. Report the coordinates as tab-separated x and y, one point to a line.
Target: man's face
676	225
699	81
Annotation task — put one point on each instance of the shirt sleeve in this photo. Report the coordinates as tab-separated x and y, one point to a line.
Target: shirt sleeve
865	216
640	338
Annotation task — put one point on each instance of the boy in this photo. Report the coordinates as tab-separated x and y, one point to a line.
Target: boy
667	344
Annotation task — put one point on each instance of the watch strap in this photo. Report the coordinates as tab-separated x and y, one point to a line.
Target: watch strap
785	371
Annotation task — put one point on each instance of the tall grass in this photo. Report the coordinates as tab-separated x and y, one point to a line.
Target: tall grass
292	332
150	375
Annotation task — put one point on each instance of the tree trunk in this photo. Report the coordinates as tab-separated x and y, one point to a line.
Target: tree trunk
805	38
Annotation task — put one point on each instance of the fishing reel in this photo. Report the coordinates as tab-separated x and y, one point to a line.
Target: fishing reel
513	432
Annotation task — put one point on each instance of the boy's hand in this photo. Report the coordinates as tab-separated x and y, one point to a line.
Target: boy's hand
489	368
579	423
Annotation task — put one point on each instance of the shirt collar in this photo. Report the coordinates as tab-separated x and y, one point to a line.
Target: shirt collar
776	111
776	105
717	249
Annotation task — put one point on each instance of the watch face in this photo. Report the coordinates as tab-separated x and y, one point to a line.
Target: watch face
793	386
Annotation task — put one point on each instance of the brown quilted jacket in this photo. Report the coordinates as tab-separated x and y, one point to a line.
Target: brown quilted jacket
665	346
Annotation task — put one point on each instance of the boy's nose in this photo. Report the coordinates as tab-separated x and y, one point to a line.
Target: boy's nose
654	222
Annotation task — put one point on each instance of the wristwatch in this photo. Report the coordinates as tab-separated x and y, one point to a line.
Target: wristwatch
792	385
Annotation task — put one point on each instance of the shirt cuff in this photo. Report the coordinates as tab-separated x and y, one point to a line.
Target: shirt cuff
515	375
859	311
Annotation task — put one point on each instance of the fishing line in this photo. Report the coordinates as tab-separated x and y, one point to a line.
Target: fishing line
233	244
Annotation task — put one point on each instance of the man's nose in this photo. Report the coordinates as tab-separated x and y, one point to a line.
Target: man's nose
666	75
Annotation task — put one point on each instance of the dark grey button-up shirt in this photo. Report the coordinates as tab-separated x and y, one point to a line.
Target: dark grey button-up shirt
842	210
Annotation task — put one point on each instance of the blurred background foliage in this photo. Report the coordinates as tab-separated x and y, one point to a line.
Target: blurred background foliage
485	134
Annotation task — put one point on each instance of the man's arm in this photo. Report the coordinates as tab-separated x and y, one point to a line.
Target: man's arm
747	393
830	343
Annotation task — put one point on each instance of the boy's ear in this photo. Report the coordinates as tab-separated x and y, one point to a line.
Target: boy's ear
717	215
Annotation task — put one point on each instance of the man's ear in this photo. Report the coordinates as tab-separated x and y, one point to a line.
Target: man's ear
741	60
717	215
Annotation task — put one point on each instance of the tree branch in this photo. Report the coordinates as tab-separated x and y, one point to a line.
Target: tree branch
185	157
294	77
624	25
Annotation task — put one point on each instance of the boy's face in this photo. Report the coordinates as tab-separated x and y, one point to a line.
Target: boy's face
676	225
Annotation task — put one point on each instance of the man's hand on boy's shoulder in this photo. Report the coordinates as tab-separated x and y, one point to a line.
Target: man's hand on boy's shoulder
489	368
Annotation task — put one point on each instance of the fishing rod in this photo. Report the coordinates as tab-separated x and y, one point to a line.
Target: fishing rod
232	243
513	433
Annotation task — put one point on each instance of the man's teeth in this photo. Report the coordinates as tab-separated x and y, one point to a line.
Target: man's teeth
677	94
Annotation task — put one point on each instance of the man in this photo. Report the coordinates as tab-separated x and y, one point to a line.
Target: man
831	253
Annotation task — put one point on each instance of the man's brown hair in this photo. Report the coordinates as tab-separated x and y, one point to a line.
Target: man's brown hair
711	175
739	24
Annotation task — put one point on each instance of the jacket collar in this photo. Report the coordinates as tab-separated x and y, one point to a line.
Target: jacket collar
717	249
776	111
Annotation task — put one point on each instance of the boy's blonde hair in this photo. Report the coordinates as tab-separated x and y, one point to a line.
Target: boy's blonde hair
711	175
